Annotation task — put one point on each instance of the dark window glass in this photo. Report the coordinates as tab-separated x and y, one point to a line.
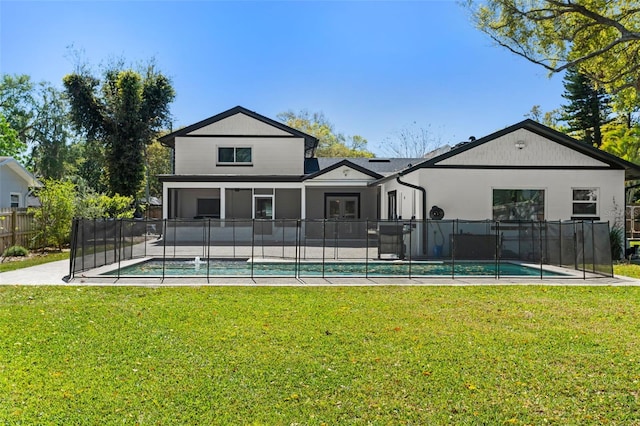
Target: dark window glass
243	155
225	155
518	204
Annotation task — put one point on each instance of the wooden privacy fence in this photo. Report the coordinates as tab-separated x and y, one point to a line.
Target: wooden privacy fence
16	228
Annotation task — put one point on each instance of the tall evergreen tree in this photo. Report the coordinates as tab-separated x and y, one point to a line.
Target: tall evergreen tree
588	108
124	111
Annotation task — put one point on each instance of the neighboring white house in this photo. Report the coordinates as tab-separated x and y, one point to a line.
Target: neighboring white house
239	164
16	184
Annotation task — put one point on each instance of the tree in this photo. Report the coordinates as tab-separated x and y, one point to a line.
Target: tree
10	144
159	162
599	38
16	111
548	118
50	134
412	142
588	108
53	219
331	143
621	140
125	111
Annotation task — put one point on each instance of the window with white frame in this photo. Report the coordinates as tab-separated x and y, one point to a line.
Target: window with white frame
585	202
234	155
15	200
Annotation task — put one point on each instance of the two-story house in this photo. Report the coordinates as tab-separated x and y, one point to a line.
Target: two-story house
242	165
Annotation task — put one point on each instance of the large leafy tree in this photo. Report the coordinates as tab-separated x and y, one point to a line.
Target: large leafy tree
125	110
10	144
158	162
330	142
17	104
599	38
51	135
588	108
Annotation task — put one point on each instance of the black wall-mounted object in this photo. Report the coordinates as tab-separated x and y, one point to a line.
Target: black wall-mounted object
436	213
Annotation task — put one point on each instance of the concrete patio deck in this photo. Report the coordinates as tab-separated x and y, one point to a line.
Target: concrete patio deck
54	272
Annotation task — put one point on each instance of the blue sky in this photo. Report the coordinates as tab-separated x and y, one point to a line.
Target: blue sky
372	67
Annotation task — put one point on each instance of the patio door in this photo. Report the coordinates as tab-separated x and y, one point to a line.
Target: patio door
263	209
343	208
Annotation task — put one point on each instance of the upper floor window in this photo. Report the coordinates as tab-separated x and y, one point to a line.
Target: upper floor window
518	204
234	155
585	202
15	200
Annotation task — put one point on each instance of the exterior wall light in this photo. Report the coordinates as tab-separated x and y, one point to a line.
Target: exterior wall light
520	144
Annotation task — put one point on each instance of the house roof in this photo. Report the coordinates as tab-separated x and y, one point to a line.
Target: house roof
378	166
340	163
310	142
18	169
632	171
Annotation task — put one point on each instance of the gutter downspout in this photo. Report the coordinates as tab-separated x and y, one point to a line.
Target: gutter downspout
424	211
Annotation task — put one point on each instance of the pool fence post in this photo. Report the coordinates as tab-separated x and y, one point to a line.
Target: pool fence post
164	245
283	224
208	248
540	247
561	239
410	232
204	237
233	231
146	233
74	248
253	240
366	251
584	264
497	228
324	242
593	247
175	230
452	239
120	248
297	249
95	237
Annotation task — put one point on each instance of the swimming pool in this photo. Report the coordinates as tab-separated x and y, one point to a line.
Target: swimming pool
245	268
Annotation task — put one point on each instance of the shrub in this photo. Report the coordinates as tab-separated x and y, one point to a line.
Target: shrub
616	236
15	251
53	219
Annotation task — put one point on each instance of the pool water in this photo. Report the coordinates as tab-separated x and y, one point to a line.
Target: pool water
241	267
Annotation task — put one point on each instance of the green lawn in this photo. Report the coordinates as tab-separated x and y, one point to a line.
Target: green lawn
320	355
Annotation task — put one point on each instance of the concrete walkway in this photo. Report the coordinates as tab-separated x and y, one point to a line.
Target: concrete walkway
53	273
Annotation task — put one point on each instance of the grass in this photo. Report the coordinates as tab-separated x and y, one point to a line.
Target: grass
627	269
320	355
33	261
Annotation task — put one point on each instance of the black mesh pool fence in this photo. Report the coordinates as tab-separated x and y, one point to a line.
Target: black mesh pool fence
299	248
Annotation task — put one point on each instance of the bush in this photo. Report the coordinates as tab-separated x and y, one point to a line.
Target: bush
15	251
616	236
